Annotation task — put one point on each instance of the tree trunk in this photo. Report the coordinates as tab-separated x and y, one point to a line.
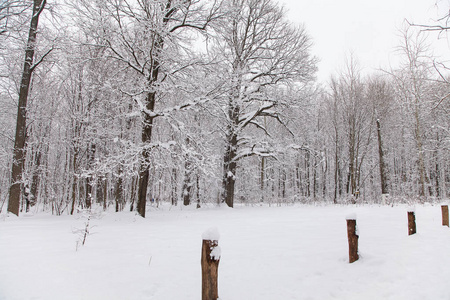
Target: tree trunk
187	184
437	169
142	192
307	176
229	158
261	178
105	193
325	176
134	182
336	172
99	191
74	179
383	170
198	190
118	191
418	137
145	159
35	179
89	179
229	171
173	185
315	179
21	124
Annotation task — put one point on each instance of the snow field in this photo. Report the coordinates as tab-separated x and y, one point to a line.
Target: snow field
267	253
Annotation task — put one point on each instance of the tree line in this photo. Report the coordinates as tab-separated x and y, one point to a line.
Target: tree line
123	102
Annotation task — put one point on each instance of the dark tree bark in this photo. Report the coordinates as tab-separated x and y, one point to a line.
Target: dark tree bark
35	179
352	241
75	169
188	180
411	223
444	209
231	138
187	184
101	182
198	190
437	168
262	175
134	182
229	170
383	169
118	191
147	127
336	172
146	138
89	179
21	124
174	190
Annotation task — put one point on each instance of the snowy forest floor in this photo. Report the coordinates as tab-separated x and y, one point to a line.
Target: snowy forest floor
268	253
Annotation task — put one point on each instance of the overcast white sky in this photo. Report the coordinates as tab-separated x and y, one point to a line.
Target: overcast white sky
369	29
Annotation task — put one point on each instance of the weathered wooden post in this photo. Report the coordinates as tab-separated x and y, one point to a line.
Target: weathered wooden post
352	233
444	209
210	264
411	222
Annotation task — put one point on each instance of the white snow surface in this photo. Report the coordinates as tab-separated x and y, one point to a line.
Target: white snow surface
268	253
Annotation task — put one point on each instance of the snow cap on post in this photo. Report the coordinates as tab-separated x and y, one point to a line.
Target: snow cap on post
351	216
411	209
212	234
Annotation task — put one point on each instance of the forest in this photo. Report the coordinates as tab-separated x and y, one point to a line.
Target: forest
129	103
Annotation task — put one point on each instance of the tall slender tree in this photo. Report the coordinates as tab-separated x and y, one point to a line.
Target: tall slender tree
21	124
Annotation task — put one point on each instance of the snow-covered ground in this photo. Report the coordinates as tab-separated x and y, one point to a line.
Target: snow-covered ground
268	253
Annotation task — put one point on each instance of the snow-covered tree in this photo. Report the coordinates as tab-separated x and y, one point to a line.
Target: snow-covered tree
259	50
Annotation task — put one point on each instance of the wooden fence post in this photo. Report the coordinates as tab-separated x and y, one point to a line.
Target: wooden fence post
411	222
352	239
210	265
444	209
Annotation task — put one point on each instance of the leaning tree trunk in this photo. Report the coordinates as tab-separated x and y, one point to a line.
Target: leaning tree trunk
19	142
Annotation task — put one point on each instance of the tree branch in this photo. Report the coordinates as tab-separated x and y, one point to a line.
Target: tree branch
41	59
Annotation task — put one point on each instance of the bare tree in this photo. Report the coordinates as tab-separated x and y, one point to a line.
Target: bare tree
411	82
380	94
358	117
